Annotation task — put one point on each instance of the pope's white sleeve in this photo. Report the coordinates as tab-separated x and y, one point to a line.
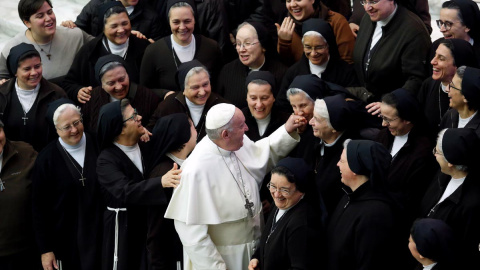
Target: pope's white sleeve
199	246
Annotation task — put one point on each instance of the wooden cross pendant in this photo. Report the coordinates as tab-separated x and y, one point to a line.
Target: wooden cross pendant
25	118
83	180
248	206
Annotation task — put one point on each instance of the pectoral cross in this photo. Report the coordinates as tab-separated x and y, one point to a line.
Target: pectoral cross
2	187
83	180
248	206
25	118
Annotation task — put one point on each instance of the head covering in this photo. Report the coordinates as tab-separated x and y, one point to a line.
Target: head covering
338	112
370	159
110	123
407	107
263	37
170	132
462	52
299	168
183	69
219	115
434	239
53	106
471	16
16	52
103	8
102	61
459	146
471	86
326	30
262	75
170	3
312	85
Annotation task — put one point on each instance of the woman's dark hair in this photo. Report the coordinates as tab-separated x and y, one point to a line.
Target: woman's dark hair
453	5
27	8
447	43
280	170
123	104
113	10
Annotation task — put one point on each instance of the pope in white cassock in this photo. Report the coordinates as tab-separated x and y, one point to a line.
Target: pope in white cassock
217	208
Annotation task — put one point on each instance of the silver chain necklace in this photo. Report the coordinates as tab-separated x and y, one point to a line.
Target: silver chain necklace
80	172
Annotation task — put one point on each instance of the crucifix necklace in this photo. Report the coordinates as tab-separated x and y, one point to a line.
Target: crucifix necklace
41	49
82	179
248	204
30	104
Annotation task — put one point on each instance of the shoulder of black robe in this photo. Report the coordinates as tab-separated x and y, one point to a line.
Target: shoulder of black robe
169	133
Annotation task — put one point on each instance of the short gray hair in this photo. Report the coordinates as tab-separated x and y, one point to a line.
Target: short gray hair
462	168
194	71
109	66
295	91
62	108
321	109
215	134
313	34
180	4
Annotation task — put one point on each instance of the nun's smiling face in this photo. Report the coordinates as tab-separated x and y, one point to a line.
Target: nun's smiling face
347	175
132	125
302	105
116	82
316	49
260	100
117	28
29	73
250	51
198	88
182	24
457	99
284	193
456	28
390	119
443	65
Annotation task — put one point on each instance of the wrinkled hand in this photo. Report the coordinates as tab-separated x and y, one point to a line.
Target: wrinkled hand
354	27
68	24
172	177
84	94
285	31
146	136
253	265
48	261
374	108
138	34
2	81
294	122
168	94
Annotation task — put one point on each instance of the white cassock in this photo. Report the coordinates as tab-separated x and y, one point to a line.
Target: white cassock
208	206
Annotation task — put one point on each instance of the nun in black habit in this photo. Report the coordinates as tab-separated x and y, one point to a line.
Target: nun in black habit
433	245
127	191
448	55
453	195
362	232
335	70
174	137
67	202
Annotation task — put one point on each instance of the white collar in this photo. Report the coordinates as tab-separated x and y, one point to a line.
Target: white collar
69	147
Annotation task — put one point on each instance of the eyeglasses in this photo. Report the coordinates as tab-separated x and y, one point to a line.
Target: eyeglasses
451	85
246	45
284	191
388	121
69	127
371	3
447	25
316	48
133	117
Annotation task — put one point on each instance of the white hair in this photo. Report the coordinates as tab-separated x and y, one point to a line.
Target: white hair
62	108
294	91
194	71
313	34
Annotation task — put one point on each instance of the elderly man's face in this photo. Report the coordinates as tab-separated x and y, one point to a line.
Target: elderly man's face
284	193
70	127
456	28
239	127
380	10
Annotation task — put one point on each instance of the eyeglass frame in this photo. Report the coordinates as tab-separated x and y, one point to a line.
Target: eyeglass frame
388	121
315	48
284	191
133	117
371	3
69	127
447	25
246	45
451	85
